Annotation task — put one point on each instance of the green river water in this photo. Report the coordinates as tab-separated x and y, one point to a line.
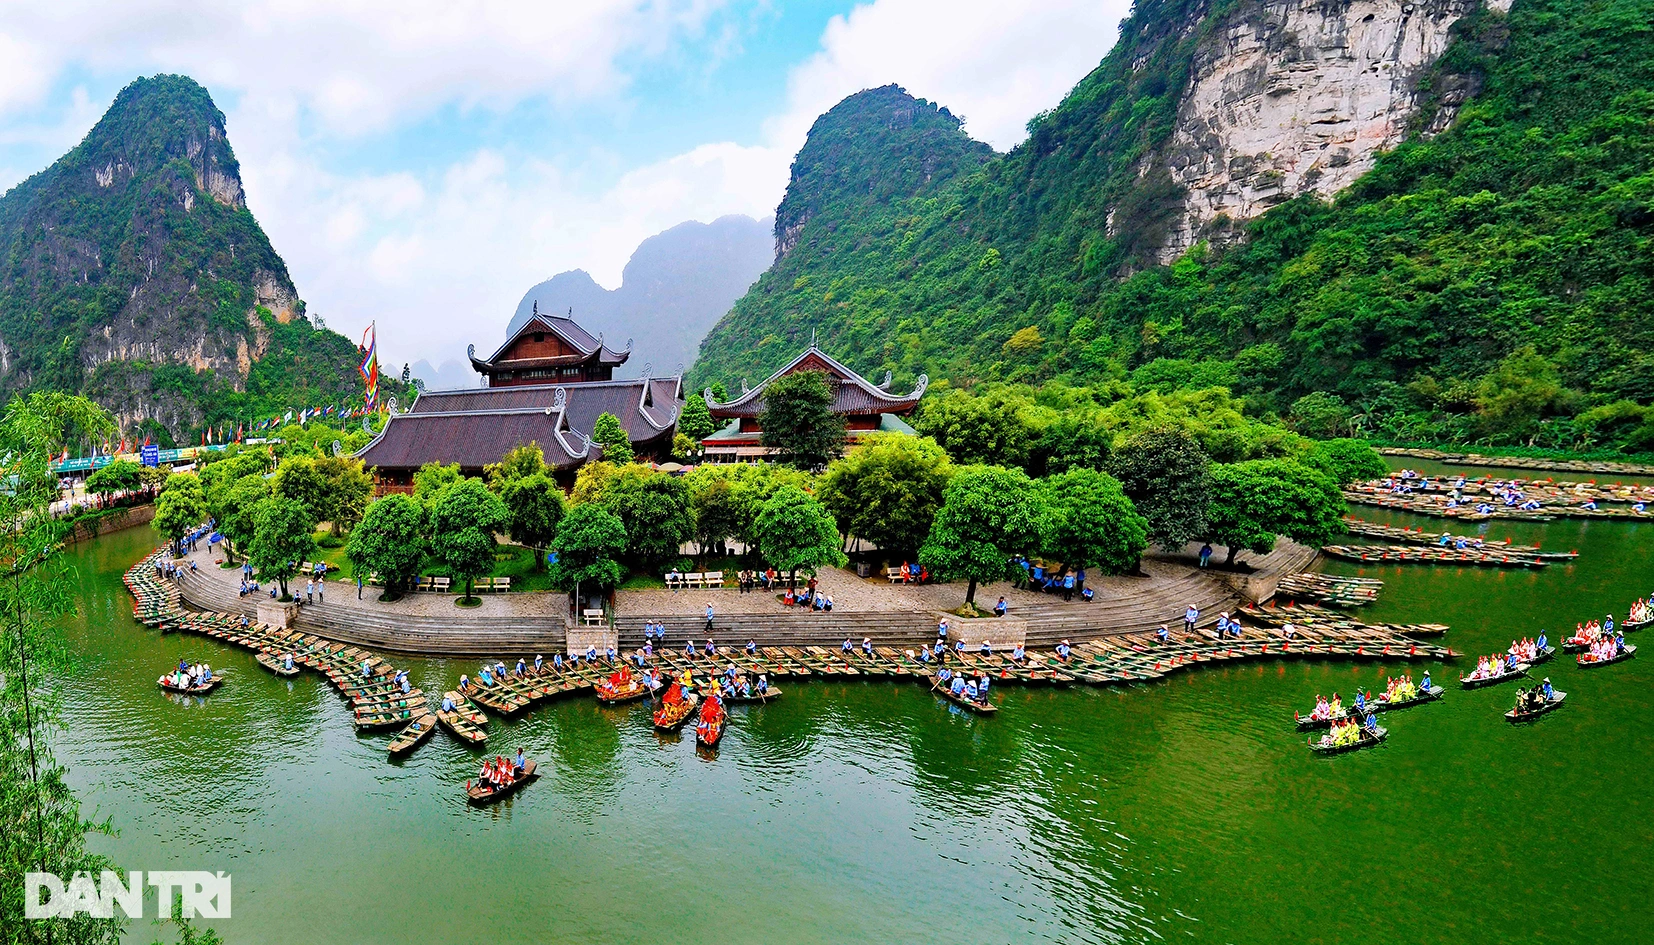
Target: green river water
872	812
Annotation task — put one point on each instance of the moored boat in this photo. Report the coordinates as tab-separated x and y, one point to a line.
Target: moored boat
621	686
414	734
462	720
1532	708
481	792
276	664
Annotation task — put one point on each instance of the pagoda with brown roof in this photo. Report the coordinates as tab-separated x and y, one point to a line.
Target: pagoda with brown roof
866	408
549	349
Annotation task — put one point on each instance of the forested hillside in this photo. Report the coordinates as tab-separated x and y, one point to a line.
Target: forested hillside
132	270
1490	283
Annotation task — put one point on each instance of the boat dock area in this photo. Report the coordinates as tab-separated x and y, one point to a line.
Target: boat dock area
366	681
1314	587
1397	535
1490	557
1431	495
369	682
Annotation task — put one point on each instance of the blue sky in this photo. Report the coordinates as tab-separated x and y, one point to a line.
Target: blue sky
421	163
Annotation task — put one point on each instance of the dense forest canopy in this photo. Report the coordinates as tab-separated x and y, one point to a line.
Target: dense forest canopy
1488	284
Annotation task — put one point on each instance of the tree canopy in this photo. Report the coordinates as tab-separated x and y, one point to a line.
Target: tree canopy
391	542
655	510
1089	522
696	421
181	506
989	514
463	519
608	433
796	531
887	490
588	542
119	476
535	506
798	421
1167	476
282	538
1255	501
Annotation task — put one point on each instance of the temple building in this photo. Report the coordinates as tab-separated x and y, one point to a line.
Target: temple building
866	408
549	349
548	384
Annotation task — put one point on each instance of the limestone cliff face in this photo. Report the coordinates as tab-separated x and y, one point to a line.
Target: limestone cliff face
1295	96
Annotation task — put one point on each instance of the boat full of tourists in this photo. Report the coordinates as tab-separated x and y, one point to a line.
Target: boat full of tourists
709	728
675	708
1492	670
1349	735
193	680
1605	651
963	691
500	779
1532	703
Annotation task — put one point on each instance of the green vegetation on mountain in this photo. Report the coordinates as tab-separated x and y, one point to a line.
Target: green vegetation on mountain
1489	284
132	270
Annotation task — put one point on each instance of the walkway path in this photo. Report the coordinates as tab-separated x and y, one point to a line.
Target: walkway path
889	614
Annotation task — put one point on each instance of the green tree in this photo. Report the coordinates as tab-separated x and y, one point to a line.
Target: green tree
180	507
346	489
989	514
535	506
1513	396
798	421
1089	522
297	478
464	518
796	531
588	542
712	503
237	511
1167	476
977	429
1255	501
1346	461
1320	414
1074	440
696	421
751	486
283	539
119	476
431	478
390	542
43	829
519	463
655	510
609	434
887	490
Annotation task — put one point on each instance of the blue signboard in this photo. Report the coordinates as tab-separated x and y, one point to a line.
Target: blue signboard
149	455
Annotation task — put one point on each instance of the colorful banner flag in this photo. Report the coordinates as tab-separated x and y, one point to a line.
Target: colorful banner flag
370	365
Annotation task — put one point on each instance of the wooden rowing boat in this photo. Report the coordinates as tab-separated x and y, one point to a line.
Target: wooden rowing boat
481	792
671	716
199	689
610	696
1424	695
1551	704
983	708
389	715
414	734
1367	740
465	723
274	664
1503	676
709	728
769	695
1585	663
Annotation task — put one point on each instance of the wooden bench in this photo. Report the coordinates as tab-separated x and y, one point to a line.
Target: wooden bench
712	579
439	585
895	574
495	585
591	618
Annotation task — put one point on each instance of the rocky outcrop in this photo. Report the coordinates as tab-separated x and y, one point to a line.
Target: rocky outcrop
1299	96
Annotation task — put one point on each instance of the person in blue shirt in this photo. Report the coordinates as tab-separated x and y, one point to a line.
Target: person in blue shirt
986	649
689	648
1000	608
982	686
846	646
867	646
752	647
1360	700
959	647
447	704
924	653
1068	587
944	674
1425	685
971	691
1546	686
557	661
1063	650
1608	624
1541	644
1018	654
